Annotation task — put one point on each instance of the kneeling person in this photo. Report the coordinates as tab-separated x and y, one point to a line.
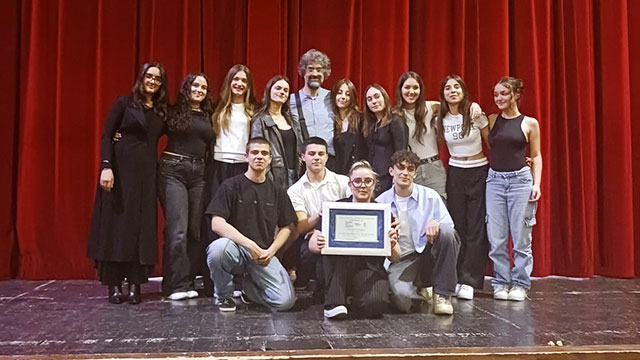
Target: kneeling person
362	277
245	212
429	244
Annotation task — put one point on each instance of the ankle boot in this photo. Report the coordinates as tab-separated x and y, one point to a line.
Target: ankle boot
115	294
134	294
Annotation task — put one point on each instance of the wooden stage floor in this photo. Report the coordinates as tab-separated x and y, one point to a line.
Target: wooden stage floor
72	319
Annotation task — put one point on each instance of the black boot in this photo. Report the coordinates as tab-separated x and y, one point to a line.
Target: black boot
115	294
134	294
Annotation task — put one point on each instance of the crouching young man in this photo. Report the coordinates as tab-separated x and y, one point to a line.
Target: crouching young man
362	277
245	212
429	245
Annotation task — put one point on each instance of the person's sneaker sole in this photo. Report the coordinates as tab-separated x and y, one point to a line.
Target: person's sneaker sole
192	294
179	295
227	308
338	312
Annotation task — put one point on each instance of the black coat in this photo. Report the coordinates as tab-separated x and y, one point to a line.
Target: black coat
382	143
124	223
349	148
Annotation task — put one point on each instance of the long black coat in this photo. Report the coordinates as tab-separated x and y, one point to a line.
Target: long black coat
124	223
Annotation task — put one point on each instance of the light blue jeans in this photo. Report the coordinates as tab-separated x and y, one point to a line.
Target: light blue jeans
509	210
267	285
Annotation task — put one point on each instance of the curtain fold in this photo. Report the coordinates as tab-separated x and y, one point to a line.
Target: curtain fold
10	63
67	61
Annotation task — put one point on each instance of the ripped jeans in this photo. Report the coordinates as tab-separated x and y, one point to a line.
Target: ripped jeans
510	211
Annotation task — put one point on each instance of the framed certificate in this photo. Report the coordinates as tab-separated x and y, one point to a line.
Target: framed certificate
353	228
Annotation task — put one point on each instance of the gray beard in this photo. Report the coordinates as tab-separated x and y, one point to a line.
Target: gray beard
314	84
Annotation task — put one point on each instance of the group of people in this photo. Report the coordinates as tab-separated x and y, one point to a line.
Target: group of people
242	183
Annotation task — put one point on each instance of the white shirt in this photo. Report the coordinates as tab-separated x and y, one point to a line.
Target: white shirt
404	237
460	146
429	146
308	197
230	145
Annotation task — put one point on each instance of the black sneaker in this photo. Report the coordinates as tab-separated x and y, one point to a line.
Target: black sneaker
335	312
245	299
227	305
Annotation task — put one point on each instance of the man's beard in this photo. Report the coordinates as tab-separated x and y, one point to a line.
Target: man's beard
314	84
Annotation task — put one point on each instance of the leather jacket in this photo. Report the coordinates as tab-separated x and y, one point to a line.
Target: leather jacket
263	125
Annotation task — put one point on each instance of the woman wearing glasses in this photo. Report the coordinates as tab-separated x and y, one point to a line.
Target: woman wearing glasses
123	236
363	277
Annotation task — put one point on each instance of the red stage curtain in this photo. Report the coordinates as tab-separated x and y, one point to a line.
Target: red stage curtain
67	61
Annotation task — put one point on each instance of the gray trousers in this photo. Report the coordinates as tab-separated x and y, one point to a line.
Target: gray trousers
435	266
433	175
267	285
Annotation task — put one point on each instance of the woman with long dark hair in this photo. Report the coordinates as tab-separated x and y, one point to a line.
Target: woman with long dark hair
419	116
513	190
181	183
123	235
273	121
468	168
385	134
348	141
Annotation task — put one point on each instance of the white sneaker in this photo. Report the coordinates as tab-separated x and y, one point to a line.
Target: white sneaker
336	312
517	293
442	305
465	292
192	294
501	292
178	295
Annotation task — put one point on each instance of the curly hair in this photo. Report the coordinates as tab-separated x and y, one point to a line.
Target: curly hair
314	56
180	113
514	85
407	156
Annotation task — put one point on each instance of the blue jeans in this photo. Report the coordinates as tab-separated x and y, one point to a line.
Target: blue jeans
509	210
268	285
180	186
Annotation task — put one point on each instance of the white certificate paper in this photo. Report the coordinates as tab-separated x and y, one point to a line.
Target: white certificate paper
357	228
360	228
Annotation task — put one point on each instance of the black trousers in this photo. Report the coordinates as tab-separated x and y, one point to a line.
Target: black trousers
362	277
466	203
180	185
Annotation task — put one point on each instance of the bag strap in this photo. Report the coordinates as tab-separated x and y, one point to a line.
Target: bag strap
303	124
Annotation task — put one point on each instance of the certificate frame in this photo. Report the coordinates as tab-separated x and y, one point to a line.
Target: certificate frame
342	223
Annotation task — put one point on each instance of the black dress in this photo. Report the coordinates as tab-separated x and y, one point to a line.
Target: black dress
124	224
382	143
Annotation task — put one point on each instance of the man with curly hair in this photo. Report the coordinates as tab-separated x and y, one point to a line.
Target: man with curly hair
311	105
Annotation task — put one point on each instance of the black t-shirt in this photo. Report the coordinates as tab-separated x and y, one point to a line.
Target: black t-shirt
254	209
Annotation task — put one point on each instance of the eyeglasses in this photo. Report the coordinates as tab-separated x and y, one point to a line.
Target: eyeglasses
358	182
156	79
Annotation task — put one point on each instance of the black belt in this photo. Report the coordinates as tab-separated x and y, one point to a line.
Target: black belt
184	157
430	160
